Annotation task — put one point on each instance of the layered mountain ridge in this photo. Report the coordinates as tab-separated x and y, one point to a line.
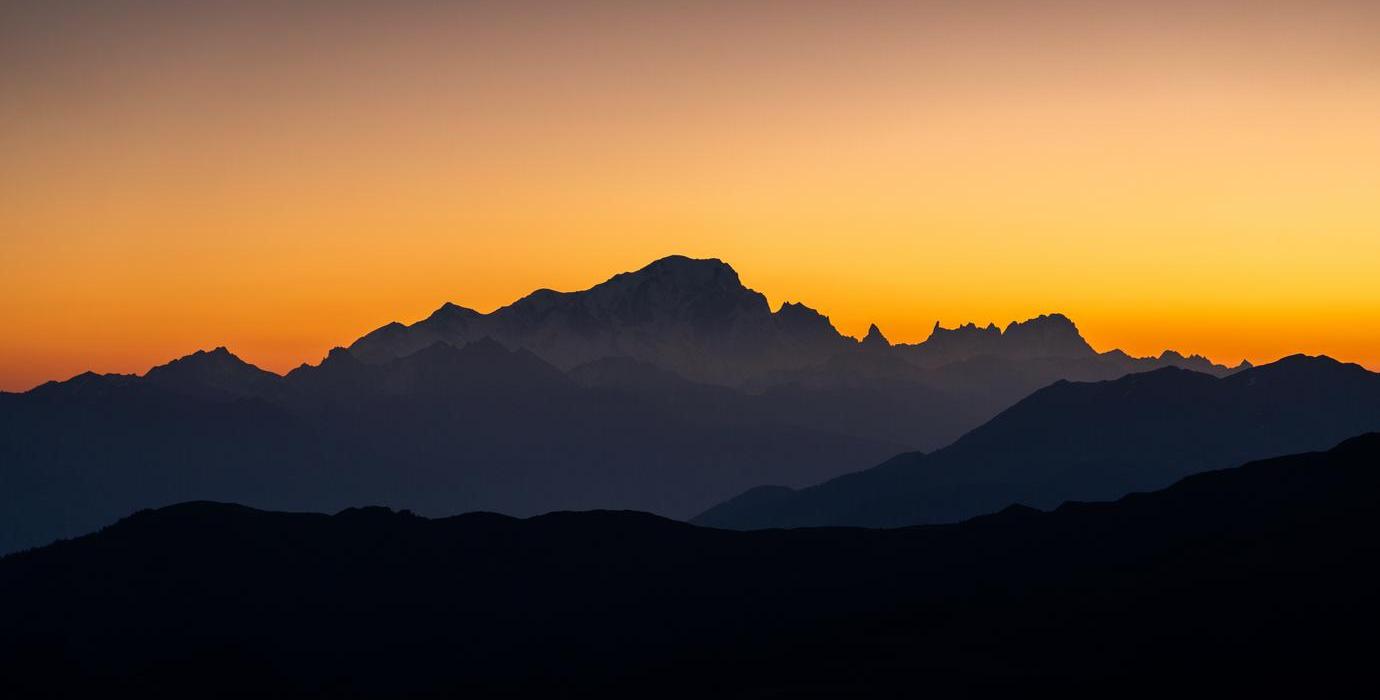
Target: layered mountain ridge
669	389
1045	336
1257	579
1087	441
691	316
696	318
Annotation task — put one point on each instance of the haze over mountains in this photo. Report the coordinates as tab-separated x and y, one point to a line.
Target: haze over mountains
1255	580
695	318
669	390
1088	442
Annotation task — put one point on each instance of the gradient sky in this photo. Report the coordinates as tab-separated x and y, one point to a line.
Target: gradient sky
1203	176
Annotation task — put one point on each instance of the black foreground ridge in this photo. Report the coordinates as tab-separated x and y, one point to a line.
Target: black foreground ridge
1246	579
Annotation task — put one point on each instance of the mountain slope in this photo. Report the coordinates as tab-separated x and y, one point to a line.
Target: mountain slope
696	318
446	429
1050	335
1079	441
667	389
690	316
1241	580
215	373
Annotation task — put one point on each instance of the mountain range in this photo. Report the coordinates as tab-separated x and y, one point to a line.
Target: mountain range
478	427
669	389
1087	441
1252	580
693	317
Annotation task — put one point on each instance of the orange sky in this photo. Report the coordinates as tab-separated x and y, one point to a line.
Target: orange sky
1203	176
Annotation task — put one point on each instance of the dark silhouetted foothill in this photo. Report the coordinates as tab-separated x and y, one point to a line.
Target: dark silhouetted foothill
1253	580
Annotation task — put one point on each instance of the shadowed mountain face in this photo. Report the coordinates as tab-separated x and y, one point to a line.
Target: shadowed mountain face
693	317
442	430
1049	336
214	374
1079	441
668	389
1236	581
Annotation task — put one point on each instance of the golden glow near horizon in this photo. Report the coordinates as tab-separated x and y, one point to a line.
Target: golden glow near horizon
1202	176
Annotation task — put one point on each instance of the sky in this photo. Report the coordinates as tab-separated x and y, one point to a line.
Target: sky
280	178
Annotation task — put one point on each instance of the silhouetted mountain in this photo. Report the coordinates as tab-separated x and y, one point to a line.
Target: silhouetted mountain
1051	335
668	389
445	429
874	338
800	326
691	316
1080	441
1242	581
215	373
84	385
877	390
696	319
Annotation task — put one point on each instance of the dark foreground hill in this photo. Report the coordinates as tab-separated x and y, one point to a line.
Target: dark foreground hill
1088	441
1236	581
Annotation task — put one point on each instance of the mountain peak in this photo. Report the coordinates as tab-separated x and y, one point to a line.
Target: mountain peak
690	315
1048	335
1302	369
676	279
804	323
219	356
1055	322
705	293
874	338
681	265
451	312
940	334
217	372
1302	360
796	310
